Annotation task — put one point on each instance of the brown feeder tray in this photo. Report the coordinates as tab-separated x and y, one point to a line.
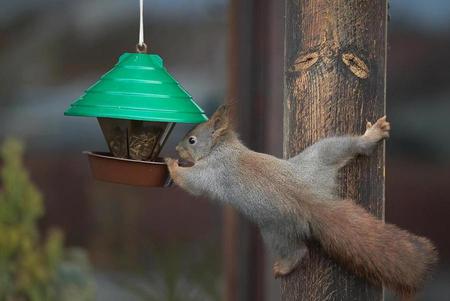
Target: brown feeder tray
107	168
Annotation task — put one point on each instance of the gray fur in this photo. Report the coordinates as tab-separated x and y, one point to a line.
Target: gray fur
319	163
220	177
272	192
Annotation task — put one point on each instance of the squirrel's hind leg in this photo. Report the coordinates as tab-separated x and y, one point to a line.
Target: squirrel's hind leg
335	152
320	162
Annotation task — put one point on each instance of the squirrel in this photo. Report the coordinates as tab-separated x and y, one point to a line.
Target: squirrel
294	202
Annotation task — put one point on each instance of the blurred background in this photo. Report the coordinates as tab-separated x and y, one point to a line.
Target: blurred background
418	104
161	244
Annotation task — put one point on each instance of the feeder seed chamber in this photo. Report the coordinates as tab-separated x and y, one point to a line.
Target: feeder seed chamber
137	104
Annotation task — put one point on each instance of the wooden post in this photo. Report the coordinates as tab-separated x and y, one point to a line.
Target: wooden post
335	74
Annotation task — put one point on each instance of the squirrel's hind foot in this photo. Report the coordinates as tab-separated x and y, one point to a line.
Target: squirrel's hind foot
378	131
285	266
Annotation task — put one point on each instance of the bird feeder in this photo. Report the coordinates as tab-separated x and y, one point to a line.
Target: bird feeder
137	104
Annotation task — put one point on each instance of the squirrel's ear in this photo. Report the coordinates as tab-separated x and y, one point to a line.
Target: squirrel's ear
220	120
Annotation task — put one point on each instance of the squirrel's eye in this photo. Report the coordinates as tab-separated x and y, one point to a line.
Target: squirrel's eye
192	140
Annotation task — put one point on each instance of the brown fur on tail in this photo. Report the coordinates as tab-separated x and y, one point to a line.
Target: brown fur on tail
379	252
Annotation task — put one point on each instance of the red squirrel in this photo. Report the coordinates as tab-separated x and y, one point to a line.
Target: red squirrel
294	201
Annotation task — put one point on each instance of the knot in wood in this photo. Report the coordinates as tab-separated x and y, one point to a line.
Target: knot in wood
356	65
305	61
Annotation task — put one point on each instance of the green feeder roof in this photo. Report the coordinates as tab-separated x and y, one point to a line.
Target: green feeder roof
138	88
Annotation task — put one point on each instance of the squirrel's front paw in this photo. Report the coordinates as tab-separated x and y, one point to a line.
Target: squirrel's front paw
172	164
175	171
378	131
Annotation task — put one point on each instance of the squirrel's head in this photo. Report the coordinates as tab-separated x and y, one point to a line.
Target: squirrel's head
199	142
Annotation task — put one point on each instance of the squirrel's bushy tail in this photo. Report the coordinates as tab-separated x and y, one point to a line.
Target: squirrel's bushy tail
379	252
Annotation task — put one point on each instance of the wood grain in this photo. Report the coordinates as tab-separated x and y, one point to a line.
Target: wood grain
335	78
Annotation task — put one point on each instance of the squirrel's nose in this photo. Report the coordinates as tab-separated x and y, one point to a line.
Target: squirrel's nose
178	148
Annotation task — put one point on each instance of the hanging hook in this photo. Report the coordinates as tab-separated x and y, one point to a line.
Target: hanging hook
141	48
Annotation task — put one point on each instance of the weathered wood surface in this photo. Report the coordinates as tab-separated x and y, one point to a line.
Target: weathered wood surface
335	73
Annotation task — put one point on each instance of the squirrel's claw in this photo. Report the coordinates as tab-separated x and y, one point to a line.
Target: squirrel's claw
379	130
